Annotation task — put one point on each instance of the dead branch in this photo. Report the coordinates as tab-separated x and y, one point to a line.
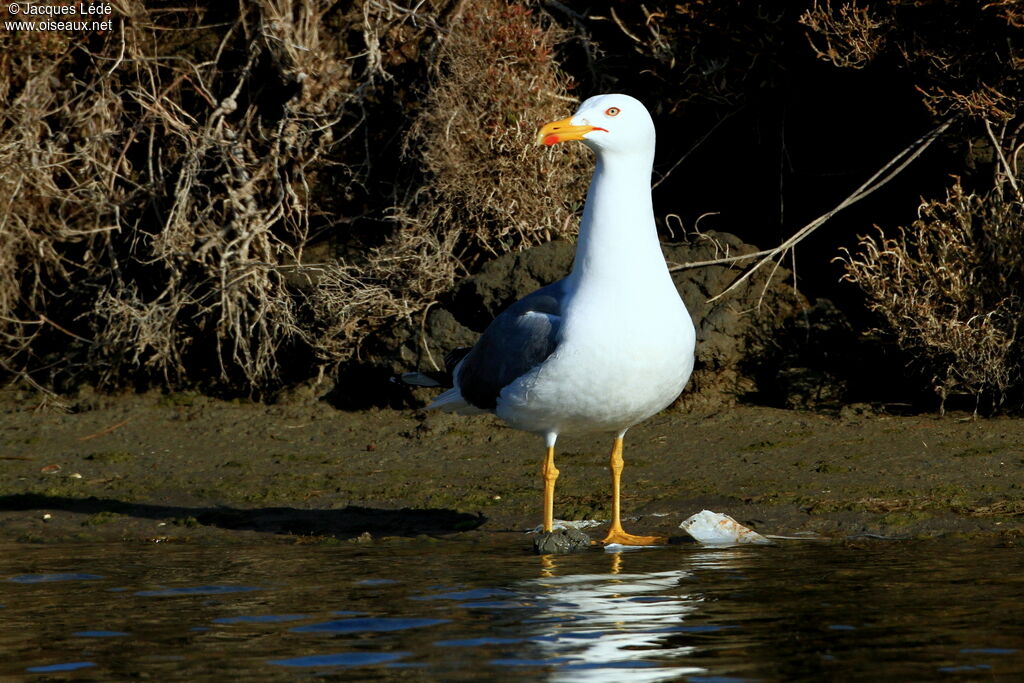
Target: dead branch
876	181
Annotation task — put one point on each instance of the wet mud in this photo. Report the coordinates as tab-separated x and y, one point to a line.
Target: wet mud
188	468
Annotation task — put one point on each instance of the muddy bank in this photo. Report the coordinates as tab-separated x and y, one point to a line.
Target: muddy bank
186	468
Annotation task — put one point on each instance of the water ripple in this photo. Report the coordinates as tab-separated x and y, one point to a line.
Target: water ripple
342	659
260	619
472	594
195	590
477	642
367	625
642	617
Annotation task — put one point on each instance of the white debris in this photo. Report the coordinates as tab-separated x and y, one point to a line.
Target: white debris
619	548
714	528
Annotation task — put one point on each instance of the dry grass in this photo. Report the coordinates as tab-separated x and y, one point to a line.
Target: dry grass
849	36
495	83
948	287
153	191
163	182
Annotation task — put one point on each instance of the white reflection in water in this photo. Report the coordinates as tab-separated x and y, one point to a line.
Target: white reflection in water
618	626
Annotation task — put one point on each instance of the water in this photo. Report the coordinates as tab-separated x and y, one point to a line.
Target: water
453	610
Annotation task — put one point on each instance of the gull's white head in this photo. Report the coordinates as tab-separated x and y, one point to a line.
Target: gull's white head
612	123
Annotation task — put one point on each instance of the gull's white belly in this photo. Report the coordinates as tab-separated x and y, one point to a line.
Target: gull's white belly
605	377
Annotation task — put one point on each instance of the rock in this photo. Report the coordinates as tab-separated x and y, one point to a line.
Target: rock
733	333
562	540
854	412
506	279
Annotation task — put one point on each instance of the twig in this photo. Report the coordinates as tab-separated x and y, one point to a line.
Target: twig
581	34
693	148
880	178
1002	158
120	57
622	26
423	335
44	319
104	431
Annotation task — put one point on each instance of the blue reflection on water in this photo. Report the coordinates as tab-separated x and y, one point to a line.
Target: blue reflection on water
52	668
260	619
477	642
471	594
367	625
341	659
966	667
48	578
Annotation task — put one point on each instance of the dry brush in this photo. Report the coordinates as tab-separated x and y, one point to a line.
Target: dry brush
948	286
181	194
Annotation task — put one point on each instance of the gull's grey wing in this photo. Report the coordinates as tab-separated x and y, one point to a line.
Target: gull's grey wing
519	339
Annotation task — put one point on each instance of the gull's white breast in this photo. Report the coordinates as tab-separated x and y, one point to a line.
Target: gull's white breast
626	352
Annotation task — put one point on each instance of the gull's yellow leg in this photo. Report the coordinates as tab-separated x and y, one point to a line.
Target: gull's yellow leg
550	474
615	533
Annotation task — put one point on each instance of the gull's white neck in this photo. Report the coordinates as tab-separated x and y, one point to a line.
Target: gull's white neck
618	224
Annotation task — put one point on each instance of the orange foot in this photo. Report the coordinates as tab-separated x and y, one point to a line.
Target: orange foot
621	537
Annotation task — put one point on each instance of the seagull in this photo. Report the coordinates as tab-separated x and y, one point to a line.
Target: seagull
609	345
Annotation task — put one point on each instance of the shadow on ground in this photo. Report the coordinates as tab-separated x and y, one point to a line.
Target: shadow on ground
349	522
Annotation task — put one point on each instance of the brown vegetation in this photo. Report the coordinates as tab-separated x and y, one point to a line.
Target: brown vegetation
162	182
239	196
850	36
155	189
487	191
948	286
945	286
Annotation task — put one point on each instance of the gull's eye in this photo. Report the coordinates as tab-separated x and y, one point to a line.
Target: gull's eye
612	111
